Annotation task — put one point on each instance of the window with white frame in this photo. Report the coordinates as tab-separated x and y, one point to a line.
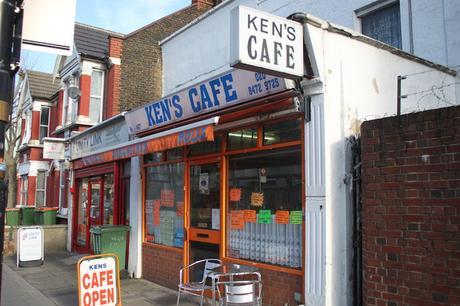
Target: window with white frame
66	102
44	122
40	190
24	188
381	20
97	91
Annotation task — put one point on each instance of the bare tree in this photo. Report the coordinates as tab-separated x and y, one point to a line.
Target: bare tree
12	138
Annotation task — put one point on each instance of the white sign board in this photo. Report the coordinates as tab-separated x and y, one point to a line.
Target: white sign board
225	90
98	280
95	140
30	246
53	149
266	43
49	26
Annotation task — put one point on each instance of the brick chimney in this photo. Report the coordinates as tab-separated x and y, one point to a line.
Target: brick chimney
205	3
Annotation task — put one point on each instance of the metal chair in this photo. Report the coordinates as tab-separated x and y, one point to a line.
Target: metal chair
197	286
240	292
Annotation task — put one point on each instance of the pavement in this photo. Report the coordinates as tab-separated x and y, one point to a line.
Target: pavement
55	283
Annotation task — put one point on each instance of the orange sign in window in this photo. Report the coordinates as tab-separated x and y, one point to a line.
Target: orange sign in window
235	194
257	199
167	198
249	215
282	216
180	209
236	219
156	212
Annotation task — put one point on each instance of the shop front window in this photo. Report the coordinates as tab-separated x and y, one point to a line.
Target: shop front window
265	207
82	223
108	198
164	204
242	139
282	131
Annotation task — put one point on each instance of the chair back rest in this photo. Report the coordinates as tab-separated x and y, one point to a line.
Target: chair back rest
209	265
240	293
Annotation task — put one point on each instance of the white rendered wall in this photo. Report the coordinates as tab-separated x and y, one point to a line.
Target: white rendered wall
135	220
357	83
204	48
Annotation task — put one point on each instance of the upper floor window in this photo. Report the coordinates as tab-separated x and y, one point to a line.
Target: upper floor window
382	21
44	122
70	111
97	90
40	191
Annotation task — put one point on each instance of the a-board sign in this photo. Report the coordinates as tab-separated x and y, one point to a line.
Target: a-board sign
98	280
30	246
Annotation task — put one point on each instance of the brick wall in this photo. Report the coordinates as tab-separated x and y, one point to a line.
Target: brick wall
141	75
411	209
161	265
278	288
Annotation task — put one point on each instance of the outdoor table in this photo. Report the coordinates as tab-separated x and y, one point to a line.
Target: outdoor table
230	270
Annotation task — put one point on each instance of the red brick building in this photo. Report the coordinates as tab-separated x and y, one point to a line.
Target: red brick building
54	113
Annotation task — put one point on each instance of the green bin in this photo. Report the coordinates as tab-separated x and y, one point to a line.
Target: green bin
45	215
27	214
111	239
38	216
12	216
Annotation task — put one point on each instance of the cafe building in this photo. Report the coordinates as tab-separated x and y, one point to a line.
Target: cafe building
249	162
271	187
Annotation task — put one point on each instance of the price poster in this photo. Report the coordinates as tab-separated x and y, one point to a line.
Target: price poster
235	194
156	212
282	216
257	199
236	219
167	197
179	209
249	215
296	217
265	216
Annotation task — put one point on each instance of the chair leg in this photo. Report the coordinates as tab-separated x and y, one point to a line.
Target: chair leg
178	297
202	296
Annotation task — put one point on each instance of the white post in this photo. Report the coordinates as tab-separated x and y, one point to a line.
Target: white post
135	220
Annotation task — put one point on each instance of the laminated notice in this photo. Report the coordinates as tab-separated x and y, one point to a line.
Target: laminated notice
265	216
156	212
282	217
296	217
236	219
249	215
235	194
167	197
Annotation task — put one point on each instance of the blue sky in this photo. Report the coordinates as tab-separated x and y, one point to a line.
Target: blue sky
122	16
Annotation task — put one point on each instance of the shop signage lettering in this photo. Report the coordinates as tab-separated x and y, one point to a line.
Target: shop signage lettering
225	90
98	280
91	142
199	134
267	43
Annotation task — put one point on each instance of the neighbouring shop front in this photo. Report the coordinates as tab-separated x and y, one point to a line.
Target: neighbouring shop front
238	197
101	189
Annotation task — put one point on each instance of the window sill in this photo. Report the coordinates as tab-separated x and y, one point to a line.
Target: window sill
164	247
264	266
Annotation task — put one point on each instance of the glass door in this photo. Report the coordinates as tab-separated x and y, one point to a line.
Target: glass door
82	227
95	202
204	231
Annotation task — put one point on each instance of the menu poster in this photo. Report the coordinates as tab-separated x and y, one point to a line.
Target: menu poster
249	215
215	217
282	216
148	213
296	217
257	199
156	212
167	197
265	216
180	209
235	194
236	220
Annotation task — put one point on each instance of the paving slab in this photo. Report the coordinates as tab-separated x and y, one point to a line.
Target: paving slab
55	283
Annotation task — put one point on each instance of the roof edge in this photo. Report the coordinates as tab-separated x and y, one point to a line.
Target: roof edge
195	21
109	32
341	30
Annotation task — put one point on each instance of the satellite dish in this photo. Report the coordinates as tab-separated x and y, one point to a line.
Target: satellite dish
73	92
